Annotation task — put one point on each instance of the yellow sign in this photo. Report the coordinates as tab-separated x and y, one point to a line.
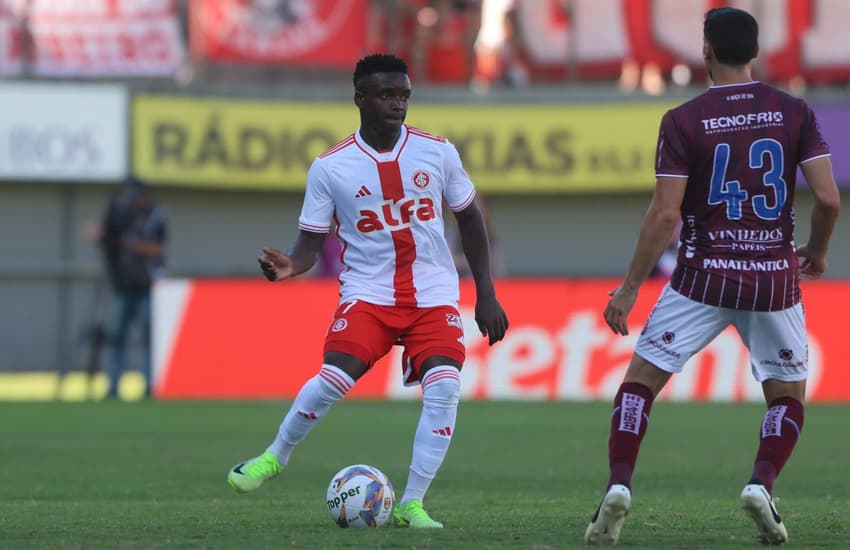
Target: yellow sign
506	148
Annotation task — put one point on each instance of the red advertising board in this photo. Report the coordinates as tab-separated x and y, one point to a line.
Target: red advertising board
330	33
106	37
227	339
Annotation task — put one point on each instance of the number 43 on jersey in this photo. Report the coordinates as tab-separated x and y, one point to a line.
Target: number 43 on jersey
730	192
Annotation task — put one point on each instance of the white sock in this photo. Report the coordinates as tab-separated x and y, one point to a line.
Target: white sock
440	397
312	403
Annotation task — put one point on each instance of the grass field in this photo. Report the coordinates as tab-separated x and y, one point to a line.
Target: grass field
526	475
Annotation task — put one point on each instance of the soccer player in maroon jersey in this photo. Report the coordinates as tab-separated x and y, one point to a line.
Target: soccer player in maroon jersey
726	165
383	188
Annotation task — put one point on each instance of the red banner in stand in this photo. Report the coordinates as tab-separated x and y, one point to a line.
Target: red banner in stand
800	38
225	339
797	38
329	33
11	52
106	38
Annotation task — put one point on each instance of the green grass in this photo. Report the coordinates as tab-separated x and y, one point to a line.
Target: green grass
527	475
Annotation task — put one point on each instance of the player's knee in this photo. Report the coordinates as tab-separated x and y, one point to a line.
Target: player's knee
442	394
332	383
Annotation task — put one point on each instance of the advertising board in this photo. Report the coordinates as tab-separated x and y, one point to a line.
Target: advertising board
63	132
217	339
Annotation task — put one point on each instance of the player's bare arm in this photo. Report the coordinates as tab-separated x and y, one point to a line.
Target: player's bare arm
489	315
658	225
819	176
302	255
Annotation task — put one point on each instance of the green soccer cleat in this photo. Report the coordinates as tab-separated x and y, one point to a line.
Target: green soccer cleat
248	476
413	514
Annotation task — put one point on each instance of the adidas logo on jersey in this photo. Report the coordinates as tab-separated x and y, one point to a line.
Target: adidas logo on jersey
362	192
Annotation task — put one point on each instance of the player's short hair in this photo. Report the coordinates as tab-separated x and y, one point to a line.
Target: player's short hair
378	63
733	34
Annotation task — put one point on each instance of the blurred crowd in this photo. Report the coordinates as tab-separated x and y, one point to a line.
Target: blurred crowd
637	45
453	41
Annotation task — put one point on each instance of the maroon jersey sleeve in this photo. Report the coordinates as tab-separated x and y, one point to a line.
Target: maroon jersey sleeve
812	144
671	156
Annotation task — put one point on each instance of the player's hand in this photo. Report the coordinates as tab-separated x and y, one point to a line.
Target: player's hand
812	265
617	311
276	265
491	318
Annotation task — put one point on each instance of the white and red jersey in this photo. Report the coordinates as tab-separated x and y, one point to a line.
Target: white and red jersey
387	206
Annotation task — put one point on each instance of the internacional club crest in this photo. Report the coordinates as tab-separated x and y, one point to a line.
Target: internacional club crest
421	179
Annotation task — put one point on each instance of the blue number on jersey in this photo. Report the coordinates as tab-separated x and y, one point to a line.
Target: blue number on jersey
721	190
730	192
772	177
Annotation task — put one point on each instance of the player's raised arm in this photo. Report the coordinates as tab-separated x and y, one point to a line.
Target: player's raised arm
491	318
818	173
302	255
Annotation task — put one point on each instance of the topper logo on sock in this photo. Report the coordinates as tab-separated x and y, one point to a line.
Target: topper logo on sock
447	431
772	425
631	411
308	415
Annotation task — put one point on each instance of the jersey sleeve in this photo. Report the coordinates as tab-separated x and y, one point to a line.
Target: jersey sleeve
671	155
812	144
318	208
459	191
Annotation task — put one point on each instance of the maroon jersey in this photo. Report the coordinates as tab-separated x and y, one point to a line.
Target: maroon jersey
739	147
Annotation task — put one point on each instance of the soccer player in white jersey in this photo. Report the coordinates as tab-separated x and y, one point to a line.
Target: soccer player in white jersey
384	187
726	166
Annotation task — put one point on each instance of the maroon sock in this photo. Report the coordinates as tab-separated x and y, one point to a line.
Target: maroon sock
628	426
780	429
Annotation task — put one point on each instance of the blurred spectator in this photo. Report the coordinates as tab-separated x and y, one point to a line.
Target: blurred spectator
497	52
132	236
390	27
446	35
435	37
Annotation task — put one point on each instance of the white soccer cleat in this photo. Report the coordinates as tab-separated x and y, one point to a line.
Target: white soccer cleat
758	504
604	528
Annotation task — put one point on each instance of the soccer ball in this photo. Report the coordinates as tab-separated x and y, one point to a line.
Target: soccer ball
360	496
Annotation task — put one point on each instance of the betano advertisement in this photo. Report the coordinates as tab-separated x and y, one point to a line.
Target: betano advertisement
250	339
505	148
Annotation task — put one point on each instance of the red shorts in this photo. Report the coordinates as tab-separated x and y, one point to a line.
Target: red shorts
368	331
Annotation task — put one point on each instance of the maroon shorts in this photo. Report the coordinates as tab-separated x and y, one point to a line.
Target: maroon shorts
368	331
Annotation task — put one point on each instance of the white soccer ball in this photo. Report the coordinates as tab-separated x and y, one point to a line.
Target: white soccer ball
360	496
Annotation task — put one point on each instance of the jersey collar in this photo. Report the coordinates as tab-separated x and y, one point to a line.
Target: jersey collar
383	155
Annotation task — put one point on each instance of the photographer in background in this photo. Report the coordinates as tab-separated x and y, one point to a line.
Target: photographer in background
132	236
